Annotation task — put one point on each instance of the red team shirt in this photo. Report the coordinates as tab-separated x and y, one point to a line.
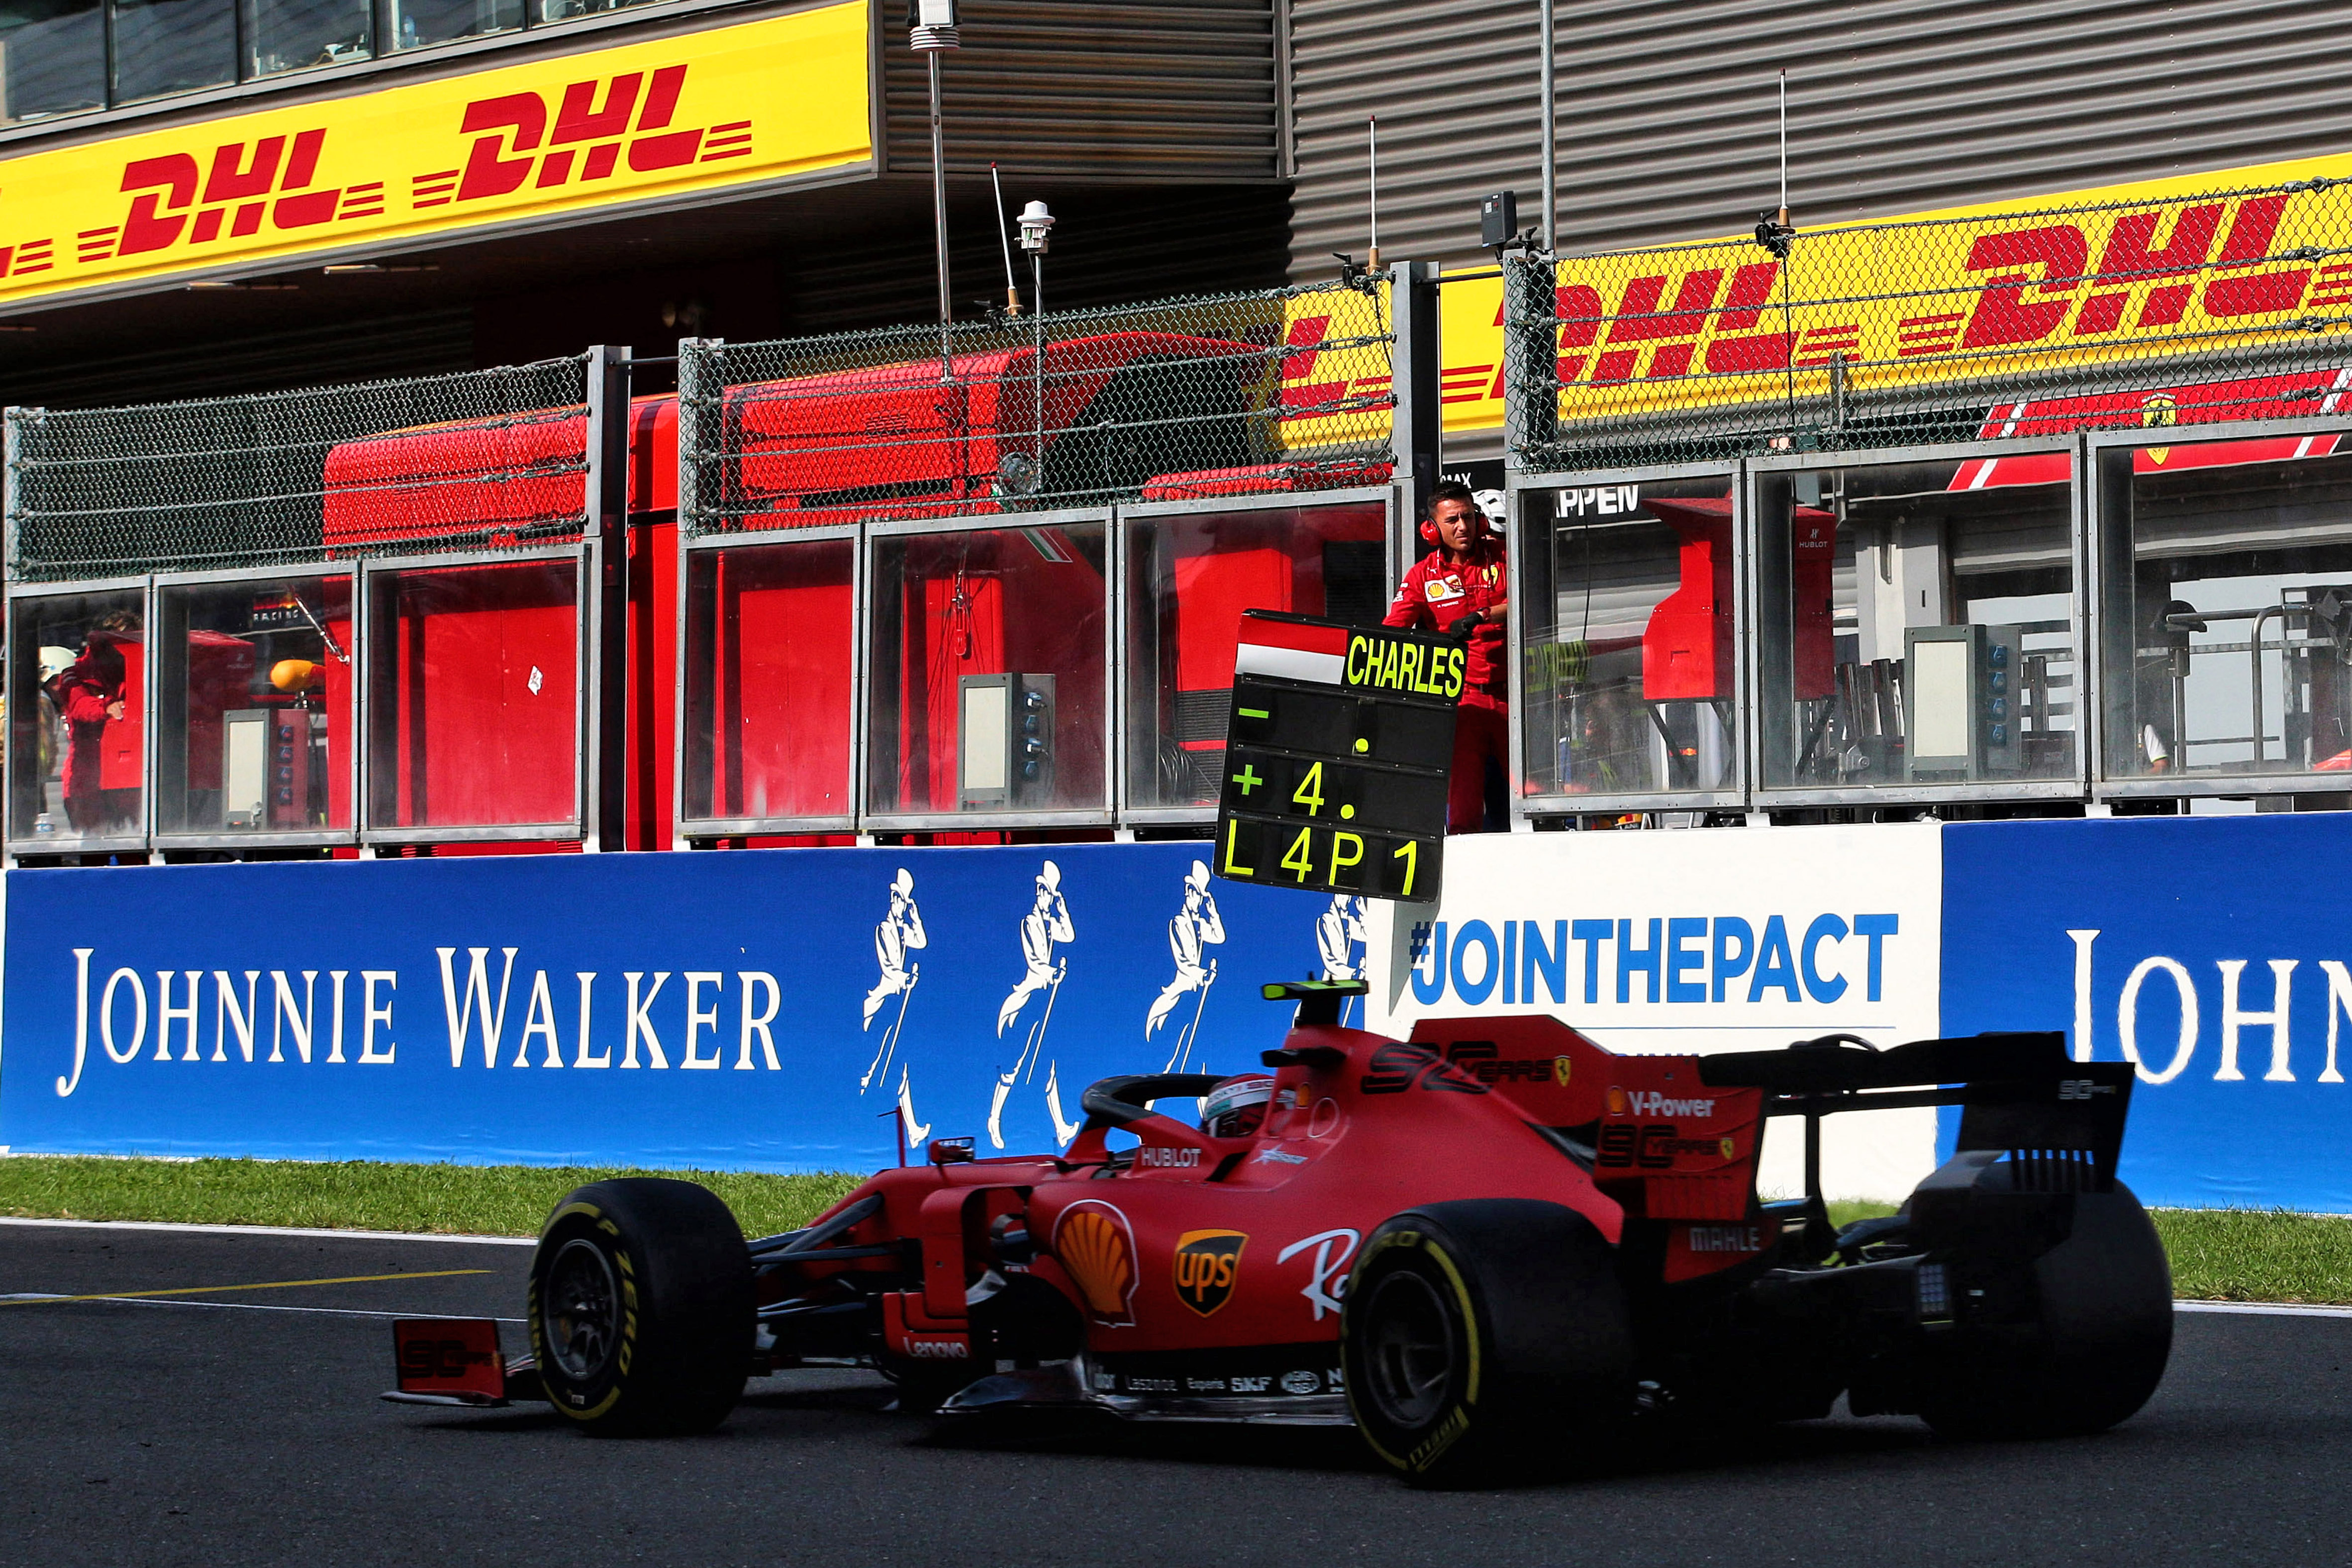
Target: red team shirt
1437	593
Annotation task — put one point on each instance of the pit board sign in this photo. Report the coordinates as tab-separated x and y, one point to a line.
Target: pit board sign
1336	758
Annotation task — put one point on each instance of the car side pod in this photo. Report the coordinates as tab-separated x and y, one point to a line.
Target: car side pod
456	1361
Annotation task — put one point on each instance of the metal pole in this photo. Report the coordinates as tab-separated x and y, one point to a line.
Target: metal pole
1544	90
1037	354
939	215
608	526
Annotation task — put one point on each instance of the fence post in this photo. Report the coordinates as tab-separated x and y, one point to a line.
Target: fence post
1415	432
1531	356
607	500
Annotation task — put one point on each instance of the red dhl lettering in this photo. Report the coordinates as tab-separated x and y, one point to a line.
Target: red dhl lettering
234	190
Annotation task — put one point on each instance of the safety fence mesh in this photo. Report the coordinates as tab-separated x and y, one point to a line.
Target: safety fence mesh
1279	390
2191	308
482	460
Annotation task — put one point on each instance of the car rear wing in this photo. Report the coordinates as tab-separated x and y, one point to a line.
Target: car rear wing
2059	1121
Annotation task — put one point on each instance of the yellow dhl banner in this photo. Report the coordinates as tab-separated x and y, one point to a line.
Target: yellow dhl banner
2163	270
735	105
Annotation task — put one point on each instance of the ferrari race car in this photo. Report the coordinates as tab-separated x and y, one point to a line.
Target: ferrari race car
1492	1249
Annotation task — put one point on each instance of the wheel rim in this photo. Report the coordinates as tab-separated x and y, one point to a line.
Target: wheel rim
582	1312
1410	1349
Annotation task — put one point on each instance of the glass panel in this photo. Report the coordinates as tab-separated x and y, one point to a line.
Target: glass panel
1190	576
770	632
1915	624
418	22
1016	608
1631	675
297	34
52	58
2227	642
474	716
77	760
253	706
172	45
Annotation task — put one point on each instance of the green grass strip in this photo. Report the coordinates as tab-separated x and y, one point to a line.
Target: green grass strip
2231	1255
366	1194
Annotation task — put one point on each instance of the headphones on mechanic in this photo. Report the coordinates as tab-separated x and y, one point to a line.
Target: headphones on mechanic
1479	525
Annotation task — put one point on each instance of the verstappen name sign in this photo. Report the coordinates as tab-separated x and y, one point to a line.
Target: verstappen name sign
740	105
2167	268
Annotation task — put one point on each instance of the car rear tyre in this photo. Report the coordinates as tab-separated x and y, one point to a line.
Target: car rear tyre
641	1308
1486	1343
2102	1335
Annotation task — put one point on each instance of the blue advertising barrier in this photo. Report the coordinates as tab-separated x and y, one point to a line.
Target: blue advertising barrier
757	1009
2212	950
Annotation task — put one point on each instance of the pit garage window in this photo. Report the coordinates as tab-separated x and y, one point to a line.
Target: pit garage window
473	697
1917	631
987	653
52	59
1629	683
2226	613
254	688
300	35
770	655
1190	574
78	683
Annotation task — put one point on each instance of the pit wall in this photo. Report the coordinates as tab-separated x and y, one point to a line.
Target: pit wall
2212	950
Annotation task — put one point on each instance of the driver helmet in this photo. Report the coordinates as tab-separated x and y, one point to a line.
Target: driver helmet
55	661
1235	1107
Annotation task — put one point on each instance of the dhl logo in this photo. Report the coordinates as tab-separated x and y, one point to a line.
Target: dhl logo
518	140
2100	276
662	117
173	195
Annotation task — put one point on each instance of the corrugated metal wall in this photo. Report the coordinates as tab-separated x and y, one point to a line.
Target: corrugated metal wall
1120	90
1666	113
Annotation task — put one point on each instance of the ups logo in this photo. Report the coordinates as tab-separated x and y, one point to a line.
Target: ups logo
1207	1263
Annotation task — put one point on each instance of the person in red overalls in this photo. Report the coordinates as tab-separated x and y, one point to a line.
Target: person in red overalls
1460	589
89	694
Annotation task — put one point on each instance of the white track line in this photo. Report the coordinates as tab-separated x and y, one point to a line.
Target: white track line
275	1230
2263	1308
223	1306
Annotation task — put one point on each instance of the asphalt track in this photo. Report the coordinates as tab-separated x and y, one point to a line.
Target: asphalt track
247	1431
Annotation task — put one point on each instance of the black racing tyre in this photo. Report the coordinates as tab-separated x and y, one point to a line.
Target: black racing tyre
1486	1343
641	1308
2105	1332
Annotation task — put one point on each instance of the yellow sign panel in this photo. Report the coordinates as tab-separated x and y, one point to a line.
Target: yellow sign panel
2163	269
735	105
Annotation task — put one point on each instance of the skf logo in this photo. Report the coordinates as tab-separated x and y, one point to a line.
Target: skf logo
236	190
1207	1261
516	140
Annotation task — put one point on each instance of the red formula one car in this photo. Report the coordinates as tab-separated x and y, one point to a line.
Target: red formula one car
1492	1249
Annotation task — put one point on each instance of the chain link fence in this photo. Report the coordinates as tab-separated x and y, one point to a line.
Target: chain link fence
1234	394
481	460
2188	308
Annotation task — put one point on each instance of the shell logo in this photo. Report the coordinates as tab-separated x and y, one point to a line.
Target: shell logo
1616	1100
1095	1245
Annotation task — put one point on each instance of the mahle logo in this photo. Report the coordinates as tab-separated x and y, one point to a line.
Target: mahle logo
1207	1262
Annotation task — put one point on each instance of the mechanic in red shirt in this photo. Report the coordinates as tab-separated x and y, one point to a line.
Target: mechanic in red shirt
1460	589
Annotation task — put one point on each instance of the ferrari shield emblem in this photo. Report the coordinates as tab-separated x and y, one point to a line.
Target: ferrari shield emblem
1207	1262
1559	1066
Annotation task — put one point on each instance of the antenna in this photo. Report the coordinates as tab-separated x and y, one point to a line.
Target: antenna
1012	294
1784	147
1372	150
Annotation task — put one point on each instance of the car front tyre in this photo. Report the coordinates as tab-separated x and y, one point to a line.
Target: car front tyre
1486	1343
641	1308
